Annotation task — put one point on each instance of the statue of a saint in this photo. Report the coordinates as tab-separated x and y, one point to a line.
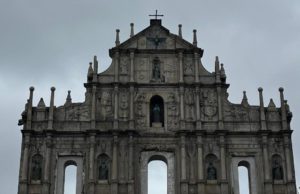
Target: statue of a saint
277	171
211	172
103	170
36	170
156	113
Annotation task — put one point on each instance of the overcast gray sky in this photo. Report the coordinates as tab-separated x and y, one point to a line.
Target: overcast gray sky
49	43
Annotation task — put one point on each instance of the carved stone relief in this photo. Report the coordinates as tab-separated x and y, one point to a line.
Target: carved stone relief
209	105
140	108
188	66
170	70
189	104
124	65
77	112
172	109
236	113
142	70
106	104
123	105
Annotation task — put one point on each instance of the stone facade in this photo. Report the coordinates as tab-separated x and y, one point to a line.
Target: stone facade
156	101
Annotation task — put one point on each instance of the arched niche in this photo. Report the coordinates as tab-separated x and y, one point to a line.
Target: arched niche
156	111
277	168
212	170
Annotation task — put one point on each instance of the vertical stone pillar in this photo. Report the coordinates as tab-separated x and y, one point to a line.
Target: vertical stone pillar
267	177
116	107
29	109
180	56
24	165
220	109
200	172
196	64
114	169
224	182
283	110
93	108
130	166
116	65
131	108
51	109
92	168
182	120
47	167
198	113
131	66
183	179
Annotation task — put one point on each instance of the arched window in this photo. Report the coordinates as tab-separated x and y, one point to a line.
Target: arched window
157	175
36	167
70	178
277	170
103	167
211	167
244	177
156	112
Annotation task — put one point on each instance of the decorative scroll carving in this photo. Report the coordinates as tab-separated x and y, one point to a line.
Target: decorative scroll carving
209	105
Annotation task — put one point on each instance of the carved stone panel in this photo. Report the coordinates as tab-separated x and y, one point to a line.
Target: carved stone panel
124	65
123	105
189	105
106	105
188	66
140	109
77	112
172	112
142	69
209	104
170	70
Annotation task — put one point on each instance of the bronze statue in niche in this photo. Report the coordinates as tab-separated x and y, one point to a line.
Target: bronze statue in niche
156	69
36	167
103	169
277	170
211	172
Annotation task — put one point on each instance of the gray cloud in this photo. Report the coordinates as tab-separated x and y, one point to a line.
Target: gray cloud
51	42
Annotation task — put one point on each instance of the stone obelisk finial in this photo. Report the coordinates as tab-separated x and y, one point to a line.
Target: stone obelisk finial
180	30
131	30
195	37
117	37
262	110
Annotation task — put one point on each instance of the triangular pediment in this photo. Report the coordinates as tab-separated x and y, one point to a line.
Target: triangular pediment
155	36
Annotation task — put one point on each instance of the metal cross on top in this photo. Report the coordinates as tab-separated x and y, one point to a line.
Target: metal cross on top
156	15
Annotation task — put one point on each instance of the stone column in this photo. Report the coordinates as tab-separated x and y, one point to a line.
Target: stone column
92	168
29	109
196	64
24	165
267	177
116	65
131	108
93	108
182	120
116	106
114	169
51	109
200	172
198	113
47	167
180	67
220	109
130	166
183	179
224	183
131	66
